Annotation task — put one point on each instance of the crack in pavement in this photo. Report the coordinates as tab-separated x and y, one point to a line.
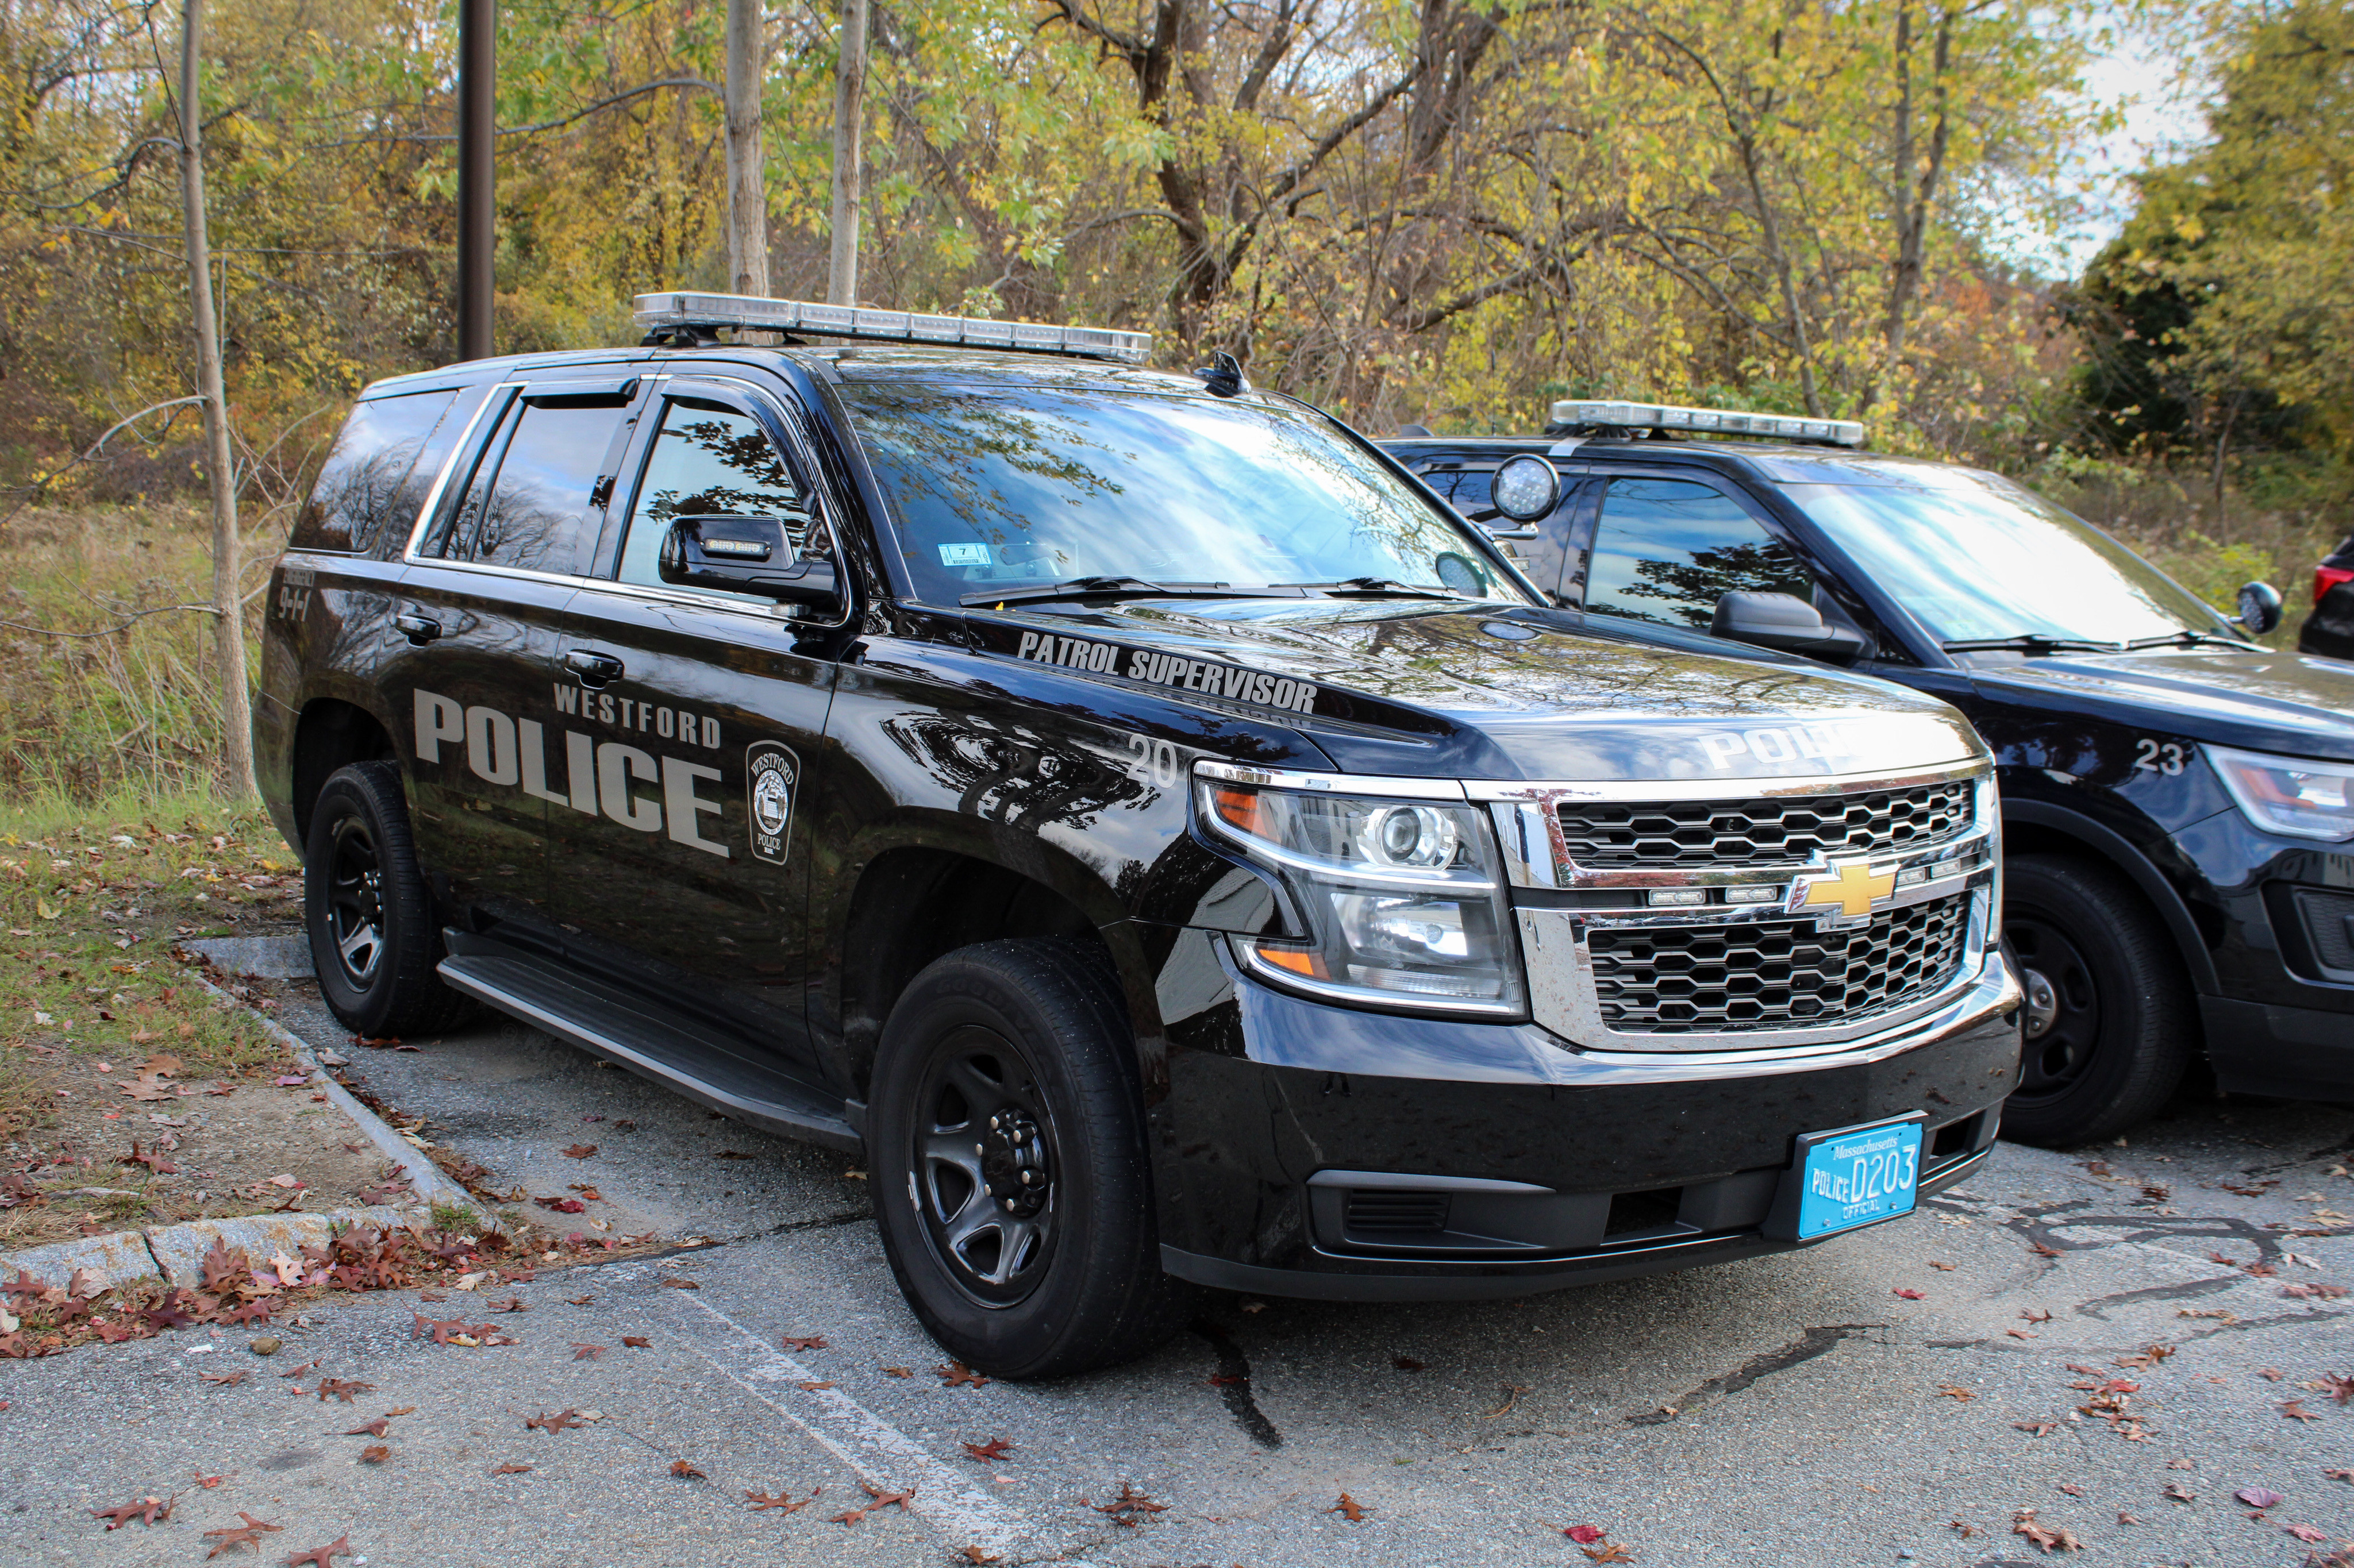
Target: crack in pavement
1810	1344
1233	1384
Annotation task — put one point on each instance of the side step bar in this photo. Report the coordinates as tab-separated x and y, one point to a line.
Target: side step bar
649	1039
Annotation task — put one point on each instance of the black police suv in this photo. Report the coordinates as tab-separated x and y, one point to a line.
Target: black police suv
2330	630
1170	843
2177	803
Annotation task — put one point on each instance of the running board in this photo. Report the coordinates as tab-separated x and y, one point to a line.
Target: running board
651	1041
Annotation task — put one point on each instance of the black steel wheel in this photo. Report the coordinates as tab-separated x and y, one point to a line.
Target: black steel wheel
985	1160
1006	1134
374	940
2109	1023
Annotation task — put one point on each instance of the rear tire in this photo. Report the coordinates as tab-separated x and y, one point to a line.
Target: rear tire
2111	1023
374	937
1006	1137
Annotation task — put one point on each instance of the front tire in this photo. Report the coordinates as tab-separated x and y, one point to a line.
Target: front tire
1006	1137
2111	1024
374	937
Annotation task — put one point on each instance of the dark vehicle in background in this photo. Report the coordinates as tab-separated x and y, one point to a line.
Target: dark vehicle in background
2330	630
2178	803
1126	811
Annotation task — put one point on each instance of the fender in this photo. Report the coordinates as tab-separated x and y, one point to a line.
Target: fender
2121	852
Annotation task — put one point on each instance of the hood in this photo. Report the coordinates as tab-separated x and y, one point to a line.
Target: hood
2286	703
1404	687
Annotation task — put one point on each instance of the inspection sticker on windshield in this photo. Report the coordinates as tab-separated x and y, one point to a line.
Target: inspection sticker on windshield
1850	1177
964	555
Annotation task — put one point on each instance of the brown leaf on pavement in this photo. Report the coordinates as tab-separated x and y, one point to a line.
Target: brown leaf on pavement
812	1387
899	1371
975	1555
1609	1551
581	1150
1129	1510
686	1471
2294	1410
586	1352
956	1374
248	1534
637	1342
1909	1294
2341	1389
2040	1250
1953	1391
2124	1518
2036	1315
323	1556
805	1342
1941	1268
375	1454
146	1510
551	1424
2040	1428
343	1389
228	1380
511	1468
995	1449
1350	1508
783	1502
2177	1492
2305	1532
676	1283
2042	1537
376	1428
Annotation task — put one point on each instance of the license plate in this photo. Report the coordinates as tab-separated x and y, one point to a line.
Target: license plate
1856	1175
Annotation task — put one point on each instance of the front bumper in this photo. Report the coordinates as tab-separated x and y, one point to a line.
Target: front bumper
1635	1163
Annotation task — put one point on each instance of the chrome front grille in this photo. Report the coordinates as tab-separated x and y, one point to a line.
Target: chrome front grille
1731	977
1785	831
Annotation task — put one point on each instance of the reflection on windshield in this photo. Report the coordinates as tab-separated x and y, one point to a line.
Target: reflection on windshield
1020	486
1973	555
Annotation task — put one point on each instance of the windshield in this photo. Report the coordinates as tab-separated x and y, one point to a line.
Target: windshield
1975	556
1008	487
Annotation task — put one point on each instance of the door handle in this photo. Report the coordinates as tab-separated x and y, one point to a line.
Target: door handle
418	629
592	668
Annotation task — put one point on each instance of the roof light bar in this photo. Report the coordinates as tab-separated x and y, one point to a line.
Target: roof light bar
1707	421
751	312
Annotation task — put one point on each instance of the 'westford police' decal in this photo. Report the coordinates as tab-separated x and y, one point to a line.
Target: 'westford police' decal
770	772
1175	670
598	776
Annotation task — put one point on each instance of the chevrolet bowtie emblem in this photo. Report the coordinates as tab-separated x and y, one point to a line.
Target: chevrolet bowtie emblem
1854	887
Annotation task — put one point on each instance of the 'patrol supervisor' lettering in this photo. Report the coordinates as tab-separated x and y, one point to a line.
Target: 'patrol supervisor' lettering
1171	670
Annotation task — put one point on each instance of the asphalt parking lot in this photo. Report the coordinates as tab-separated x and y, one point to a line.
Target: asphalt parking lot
2129	1342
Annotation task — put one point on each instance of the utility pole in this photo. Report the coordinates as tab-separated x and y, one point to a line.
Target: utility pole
220	470
748	189
849	166
478	40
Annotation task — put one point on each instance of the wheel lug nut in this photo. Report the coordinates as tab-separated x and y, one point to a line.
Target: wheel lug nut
1009	1205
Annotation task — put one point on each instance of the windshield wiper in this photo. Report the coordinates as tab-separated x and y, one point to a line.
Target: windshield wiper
2185	638
2032	642
1103	587
1387	587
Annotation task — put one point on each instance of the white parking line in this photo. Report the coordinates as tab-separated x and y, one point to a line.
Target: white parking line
861	1439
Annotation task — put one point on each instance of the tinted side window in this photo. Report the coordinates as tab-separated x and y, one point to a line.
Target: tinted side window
535	513
1666	551
374	474
709	460
1469	491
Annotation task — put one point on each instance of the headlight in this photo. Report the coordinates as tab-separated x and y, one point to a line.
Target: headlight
2289	795
1393	903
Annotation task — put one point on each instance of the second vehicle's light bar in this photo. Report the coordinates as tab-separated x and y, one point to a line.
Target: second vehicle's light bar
752	312
1707	421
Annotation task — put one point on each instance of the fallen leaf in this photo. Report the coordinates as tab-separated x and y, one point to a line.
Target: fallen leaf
2071	1489
343	1389
2294	1410
2305	1532
581	1150
248	1534
2340	1475
1942	1267
805	1342
586	1352
899	1371
551	1424
580	1300
975	1555
228	1380
995	1449
1586	1534
2043	1538
376	1428
323	1556
956	1374
375	1454
812	1387
2340	1388
2177	1492
1610	1551
1910	1294
675	1283
783	1502
686	1471
2271	1374
1129	1510
1952	1391
1967	1530
2040	1428
146	1510
2259	1498
1350	1508
2036	1315
2040	1250
637	1342
511	1468
2124	1518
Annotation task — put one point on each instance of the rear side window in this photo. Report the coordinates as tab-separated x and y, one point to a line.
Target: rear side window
375	481
529	505
1667	551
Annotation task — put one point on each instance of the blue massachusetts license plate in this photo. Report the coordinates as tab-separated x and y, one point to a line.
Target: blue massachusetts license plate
1856	1175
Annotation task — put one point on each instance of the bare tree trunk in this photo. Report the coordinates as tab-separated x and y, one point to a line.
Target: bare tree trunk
747	196
849	162
1915	184
228	631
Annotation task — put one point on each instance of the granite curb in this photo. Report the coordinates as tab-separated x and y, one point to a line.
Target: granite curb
175	1254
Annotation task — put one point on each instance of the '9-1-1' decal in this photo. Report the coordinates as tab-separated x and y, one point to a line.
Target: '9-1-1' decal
601	777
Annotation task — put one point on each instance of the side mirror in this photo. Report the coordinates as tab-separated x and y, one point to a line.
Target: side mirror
1785	624
2260	609
746	555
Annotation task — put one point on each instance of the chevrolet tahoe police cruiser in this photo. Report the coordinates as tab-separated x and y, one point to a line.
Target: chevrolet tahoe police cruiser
2178	801
1164	841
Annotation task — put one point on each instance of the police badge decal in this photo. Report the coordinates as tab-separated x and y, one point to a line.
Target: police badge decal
771	772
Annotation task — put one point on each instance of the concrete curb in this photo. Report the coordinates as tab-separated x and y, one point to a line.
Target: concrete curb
430	1185
176	1253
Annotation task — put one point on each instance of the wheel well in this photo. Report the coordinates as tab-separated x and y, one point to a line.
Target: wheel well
331	735
913	905
2184	921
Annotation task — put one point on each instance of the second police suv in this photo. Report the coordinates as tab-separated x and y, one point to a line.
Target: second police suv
2178	801
1172	847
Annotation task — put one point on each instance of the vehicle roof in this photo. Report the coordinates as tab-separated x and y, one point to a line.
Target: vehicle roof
850	361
